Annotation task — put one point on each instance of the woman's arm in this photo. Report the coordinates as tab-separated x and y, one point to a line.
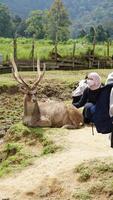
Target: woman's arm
83	99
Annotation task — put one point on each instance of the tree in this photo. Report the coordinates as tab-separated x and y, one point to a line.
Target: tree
21	30
58	22
5	22
92	34
108	26
82	33
99	33
35	24
16	21
102	35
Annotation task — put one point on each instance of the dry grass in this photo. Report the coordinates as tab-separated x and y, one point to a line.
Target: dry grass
96	180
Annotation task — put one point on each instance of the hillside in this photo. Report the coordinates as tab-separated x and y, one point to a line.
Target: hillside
83	13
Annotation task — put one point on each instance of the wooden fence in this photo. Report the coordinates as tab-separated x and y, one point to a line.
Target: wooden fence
62	64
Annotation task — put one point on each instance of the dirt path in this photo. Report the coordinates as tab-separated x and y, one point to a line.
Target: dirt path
79	145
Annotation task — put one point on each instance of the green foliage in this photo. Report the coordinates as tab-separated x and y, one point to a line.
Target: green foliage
12	148
35	24
58	23
17	131
84	175
16	21
48	145
83	13
15	155
13	158
5	22
94	167
51	148
82	195
99	33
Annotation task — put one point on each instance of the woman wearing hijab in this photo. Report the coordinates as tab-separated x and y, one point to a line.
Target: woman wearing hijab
90	96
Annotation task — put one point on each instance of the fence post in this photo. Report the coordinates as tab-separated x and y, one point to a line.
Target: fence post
108	45
56	52
15	48
73	54
94	41
90	64
98	64
33	52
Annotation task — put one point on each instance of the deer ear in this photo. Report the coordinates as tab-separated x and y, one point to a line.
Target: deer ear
23	90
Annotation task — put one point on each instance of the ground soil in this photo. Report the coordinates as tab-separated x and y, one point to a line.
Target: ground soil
52	177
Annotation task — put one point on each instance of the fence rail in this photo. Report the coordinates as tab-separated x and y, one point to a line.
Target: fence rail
61	64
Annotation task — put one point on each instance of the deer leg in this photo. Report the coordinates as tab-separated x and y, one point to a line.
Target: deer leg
42	122
68	126
45	122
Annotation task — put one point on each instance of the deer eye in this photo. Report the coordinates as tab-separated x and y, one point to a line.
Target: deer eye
35	92
28	93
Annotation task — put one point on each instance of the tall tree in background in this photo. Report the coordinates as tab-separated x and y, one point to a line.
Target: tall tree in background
91	34
102	35
58	22
35	24
21	30
5	22
16	20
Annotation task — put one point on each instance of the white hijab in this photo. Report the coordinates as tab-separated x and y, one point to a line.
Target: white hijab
94	81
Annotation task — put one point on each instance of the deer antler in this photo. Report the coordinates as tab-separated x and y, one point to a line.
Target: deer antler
17	75
40	74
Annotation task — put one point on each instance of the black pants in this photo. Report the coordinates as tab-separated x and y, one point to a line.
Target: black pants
112	138
88	112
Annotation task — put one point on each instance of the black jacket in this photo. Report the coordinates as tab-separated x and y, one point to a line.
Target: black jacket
89	96
101	118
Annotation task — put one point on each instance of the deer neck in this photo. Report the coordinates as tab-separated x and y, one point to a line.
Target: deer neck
31	111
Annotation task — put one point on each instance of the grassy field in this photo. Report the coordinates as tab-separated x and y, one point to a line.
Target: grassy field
44	47
59	77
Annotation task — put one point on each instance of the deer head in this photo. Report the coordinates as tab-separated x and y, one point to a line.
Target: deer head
31	108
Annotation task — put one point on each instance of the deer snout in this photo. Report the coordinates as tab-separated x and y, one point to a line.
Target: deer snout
33	99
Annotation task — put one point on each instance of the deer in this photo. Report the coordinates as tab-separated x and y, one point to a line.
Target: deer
45	114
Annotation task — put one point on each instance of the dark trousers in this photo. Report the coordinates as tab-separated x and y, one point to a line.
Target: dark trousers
88	112
112	138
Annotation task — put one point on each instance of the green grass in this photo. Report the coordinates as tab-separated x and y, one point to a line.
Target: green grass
67	78
44	47
18	132
13	158
82	195
16	152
